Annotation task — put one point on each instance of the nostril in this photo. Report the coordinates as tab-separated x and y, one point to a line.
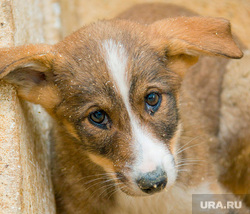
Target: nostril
152	187
152	182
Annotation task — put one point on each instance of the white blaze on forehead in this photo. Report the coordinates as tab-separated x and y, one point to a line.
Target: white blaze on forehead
150	152
116	58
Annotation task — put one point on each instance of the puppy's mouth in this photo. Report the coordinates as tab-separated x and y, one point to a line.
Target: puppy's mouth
143	177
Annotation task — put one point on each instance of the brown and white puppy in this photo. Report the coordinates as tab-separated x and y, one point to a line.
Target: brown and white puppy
122	143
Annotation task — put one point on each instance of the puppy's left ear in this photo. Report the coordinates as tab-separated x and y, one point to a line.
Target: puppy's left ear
29	68
183	39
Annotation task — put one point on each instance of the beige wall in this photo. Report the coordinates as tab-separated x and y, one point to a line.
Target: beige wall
84	12
25	185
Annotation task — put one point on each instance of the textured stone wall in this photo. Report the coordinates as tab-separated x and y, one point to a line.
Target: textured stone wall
25	184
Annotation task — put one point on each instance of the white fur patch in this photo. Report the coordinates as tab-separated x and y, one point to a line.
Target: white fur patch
150	152
116	59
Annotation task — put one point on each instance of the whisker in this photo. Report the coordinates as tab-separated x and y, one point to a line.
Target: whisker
95	175
186	164
106	188
106	173
184	149
115	191
93	194
189	161
91	181
183	170
99	176
190	141
100	183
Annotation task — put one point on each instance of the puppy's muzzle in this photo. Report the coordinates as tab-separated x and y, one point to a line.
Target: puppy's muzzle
152	182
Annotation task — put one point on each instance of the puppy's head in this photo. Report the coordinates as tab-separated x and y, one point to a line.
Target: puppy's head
114	87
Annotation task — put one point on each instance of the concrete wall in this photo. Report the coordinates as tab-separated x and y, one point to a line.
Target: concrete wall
25	185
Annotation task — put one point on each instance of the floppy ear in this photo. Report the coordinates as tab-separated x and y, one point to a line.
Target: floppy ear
185	38
29	68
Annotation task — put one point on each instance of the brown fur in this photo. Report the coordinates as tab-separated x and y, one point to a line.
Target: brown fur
69	78
205	103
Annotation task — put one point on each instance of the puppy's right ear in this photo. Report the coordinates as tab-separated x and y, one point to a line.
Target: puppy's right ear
183	39
29	68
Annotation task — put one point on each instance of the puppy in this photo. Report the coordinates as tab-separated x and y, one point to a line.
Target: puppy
132	131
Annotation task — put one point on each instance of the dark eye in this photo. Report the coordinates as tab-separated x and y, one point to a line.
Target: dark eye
99	119
152	102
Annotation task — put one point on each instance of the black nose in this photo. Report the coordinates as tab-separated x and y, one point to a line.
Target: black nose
152	182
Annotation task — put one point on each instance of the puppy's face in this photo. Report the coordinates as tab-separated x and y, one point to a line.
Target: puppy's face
114	87
123	109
